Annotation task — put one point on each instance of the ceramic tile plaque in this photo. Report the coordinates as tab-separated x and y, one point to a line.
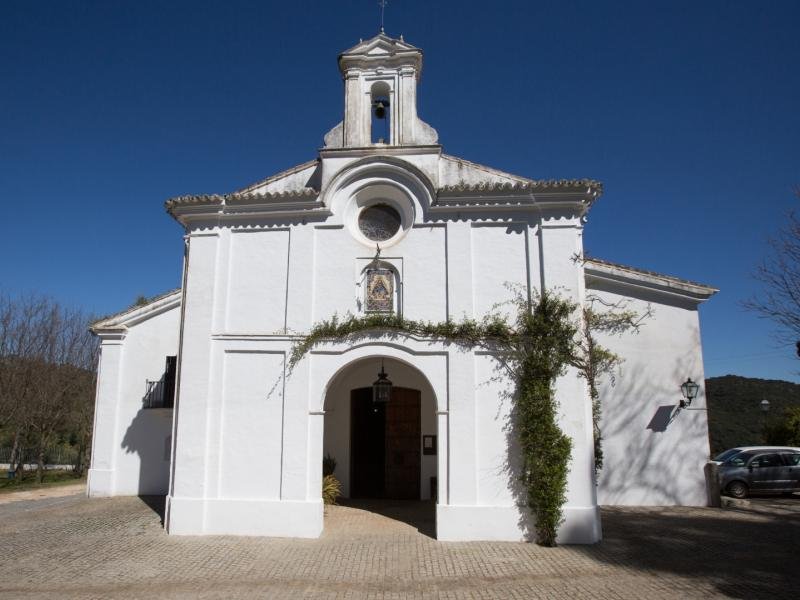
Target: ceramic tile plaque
380	290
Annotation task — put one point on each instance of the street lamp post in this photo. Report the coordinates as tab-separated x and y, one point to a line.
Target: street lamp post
764	406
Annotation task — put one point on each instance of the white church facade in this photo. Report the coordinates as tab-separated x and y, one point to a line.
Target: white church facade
195	399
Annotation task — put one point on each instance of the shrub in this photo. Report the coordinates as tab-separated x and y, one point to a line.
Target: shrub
331	489
785	432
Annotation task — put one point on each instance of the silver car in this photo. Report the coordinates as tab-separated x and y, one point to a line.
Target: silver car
759	469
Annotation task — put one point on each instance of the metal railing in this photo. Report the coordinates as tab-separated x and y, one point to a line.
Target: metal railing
156	395
161	393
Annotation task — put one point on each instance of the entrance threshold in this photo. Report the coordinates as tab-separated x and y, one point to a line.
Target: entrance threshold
380	515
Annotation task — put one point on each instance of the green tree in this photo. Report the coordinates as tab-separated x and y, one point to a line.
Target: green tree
785	432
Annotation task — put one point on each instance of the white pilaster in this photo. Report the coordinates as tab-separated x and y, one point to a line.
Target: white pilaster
562	274
460	301
354	109
191	441
300	291
443	457
316	430
296	461
462	434
104	441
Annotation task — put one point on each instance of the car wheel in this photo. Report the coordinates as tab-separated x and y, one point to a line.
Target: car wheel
737	489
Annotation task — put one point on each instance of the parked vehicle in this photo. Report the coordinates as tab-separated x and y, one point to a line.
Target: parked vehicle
759	469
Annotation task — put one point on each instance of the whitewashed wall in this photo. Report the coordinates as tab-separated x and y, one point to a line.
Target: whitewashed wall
131	447
654	452
258	275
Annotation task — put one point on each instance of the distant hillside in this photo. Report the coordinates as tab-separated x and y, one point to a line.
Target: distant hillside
734	414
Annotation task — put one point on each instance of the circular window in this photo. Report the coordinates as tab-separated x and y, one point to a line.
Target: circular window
379	222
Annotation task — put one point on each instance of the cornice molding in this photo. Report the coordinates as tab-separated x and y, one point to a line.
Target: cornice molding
111	337
115	326
224	207
382	150
391	53
543	197
597	271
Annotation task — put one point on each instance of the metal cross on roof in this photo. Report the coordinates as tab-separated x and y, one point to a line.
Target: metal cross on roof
382	4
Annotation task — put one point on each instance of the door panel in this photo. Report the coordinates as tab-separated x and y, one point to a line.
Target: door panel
402	452
792	461
766	472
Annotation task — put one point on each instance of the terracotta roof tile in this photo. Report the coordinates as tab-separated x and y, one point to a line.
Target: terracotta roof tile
238	198
531	186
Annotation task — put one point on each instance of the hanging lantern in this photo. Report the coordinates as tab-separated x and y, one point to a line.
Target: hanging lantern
382	388
689	390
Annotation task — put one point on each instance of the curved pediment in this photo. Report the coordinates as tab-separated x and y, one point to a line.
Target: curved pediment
384	170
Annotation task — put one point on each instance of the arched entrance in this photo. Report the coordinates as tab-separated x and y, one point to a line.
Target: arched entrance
382	451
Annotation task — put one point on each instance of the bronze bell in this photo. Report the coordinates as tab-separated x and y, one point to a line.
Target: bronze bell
380	108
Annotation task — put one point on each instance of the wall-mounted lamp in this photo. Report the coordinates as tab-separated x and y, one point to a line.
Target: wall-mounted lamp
689	390
382	388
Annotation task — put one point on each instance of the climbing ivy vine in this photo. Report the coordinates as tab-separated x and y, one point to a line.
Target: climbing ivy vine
535	349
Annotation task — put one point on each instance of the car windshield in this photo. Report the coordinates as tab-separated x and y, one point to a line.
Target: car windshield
727	454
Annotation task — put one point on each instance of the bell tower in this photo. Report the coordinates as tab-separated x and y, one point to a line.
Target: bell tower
380	96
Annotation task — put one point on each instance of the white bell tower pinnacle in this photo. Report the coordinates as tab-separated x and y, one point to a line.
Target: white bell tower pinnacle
380	98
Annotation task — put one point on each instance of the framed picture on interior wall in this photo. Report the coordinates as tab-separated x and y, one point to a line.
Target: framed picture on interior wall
429	444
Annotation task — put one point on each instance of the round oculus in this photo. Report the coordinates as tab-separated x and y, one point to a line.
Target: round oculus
379	222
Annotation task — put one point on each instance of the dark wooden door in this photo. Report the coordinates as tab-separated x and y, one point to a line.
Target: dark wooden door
403	445
385	445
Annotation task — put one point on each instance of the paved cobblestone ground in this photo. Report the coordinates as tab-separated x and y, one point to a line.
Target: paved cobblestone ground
43	492
73	547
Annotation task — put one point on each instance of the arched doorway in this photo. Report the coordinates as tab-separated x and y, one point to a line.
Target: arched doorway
382	451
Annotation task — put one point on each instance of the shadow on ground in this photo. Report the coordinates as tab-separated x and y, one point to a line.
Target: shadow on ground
157	504
747	553
421	515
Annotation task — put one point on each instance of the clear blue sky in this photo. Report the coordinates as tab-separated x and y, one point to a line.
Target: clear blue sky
687	111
